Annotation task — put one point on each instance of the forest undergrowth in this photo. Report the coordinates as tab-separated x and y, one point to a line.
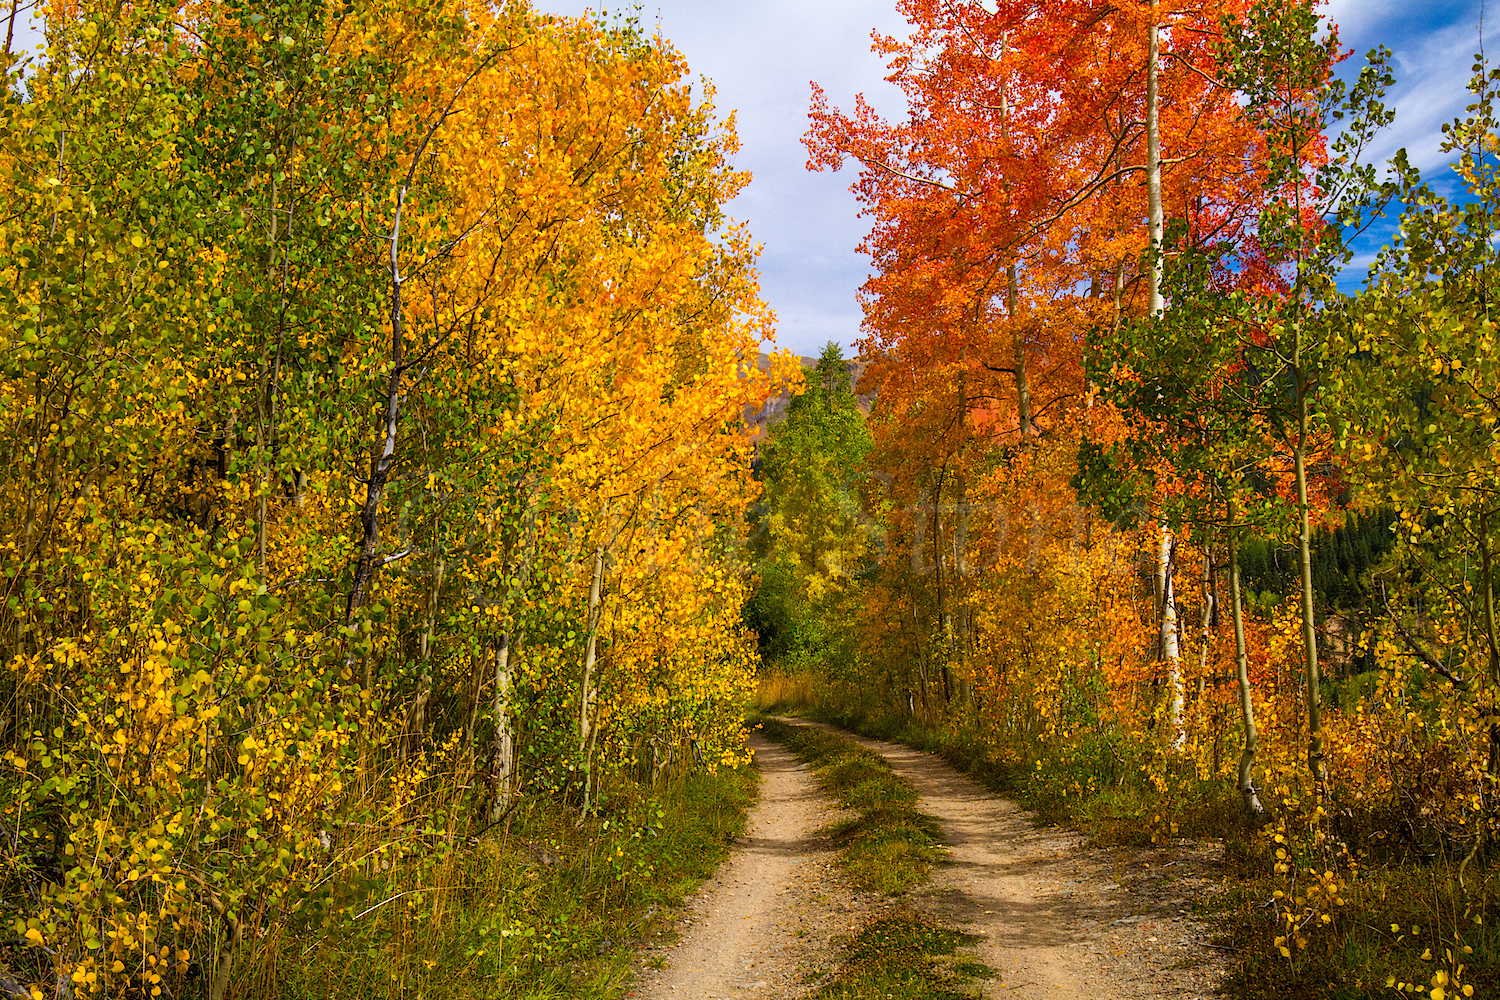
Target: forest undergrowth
542	907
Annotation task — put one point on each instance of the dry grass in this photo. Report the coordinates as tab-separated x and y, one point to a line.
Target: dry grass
786	693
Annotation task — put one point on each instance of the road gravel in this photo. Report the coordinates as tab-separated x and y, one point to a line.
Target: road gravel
1049	915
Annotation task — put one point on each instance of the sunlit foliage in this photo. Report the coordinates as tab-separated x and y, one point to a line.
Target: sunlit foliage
371	395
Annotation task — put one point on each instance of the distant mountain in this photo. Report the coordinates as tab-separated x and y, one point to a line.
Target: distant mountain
773	411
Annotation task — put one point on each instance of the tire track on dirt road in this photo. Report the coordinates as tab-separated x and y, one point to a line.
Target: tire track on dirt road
771	919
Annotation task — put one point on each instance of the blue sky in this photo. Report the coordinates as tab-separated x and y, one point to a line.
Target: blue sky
1434	45
761	54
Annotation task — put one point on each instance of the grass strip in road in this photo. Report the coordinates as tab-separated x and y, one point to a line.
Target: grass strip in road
889	847
897	957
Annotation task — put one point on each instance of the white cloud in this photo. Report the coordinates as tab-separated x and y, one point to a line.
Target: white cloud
1433	48
1358	267
1357	18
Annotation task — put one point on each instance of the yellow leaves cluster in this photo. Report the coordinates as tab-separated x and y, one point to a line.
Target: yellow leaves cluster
182	514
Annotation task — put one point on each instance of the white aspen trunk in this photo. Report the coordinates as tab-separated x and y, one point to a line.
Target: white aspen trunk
473	688
1487	582
1018	345
1159	581
586	693
1153	167
1315	758
586	699
1119	294
961	570
380	465
1207	618
417	720
267	388
1171	653
920	567
1242	660
921	662
1018	339
226	953
942	557
505	737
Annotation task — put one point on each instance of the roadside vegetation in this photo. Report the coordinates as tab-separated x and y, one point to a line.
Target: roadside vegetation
543	907
371	473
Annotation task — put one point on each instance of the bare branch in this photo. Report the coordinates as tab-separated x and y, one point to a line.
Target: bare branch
1417	648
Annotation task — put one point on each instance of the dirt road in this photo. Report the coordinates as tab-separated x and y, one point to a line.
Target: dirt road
1051	918
1054	918
771	920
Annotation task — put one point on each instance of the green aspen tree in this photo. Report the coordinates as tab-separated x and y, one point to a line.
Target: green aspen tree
1280	60
1419	422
